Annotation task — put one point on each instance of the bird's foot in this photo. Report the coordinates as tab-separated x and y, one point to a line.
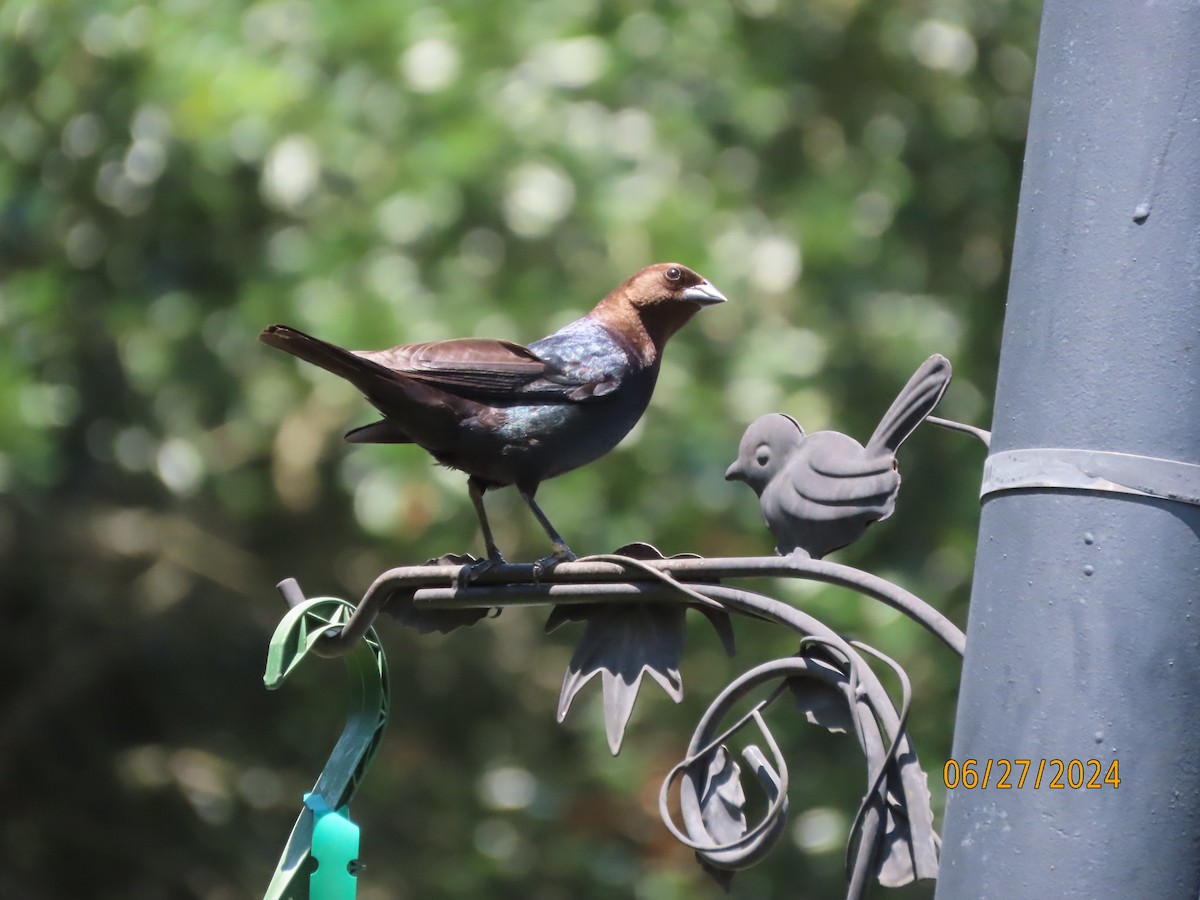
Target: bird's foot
476	567
562	553
797	553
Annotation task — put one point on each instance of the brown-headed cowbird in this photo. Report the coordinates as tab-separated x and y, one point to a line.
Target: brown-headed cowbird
819	492
506	414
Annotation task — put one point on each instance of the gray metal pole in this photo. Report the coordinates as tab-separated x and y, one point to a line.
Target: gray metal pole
1084	634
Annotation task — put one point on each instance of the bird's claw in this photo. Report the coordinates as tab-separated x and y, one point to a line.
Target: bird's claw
562	553
472	570
543	566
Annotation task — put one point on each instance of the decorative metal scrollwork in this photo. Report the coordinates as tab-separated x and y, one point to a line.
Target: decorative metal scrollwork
633	603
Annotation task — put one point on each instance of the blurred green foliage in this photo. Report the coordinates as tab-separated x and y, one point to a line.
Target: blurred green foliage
175	176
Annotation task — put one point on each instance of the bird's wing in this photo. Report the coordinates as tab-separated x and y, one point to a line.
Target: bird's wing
582	361
490	370
478	367
834	470
590	359
866	491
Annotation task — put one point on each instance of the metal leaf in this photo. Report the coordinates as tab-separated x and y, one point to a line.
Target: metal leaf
821	703
901	846
622	644
897	867
718	618
910	845
722	798
722	625
712	801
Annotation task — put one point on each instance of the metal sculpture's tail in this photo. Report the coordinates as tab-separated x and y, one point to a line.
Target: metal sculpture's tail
915	401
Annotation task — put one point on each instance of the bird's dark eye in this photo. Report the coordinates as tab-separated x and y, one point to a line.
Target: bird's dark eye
763	455
674	273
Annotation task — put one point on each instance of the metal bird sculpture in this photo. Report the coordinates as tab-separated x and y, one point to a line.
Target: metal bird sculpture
507	414
819	492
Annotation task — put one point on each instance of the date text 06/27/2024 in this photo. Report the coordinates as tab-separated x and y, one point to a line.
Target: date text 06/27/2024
1006	774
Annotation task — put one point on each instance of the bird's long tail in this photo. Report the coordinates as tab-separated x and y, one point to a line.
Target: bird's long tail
383	387
915	401
330	357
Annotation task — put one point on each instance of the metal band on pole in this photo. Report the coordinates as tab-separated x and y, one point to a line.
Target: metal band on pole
1091	470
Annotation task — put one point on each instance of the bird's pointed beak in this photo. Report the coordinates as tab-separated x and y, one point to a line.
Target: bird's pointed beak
704	294
734	472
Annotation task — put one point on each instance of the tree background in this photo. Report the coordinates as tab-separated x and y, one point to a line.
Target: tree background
175	176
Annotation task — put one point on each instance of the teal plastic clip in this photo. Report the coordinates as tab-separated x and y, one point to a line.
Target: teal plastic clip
335	848
319	861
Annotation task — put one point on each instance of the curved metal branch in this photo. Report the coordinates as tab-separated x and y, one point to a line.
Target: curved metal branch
892	836
892	723
612	578
980	434
730	854
725	846
855	866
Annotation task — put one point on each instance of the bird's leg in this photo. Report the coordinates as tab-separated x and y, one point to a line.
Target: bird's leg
562	553
475	488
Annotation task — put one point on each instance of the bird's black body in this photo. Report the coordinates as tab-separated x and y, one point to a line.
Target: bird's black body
508	414
819	492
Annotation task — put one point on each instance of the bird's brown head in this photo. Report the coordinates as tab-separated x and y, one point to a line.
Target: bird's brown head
654	303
